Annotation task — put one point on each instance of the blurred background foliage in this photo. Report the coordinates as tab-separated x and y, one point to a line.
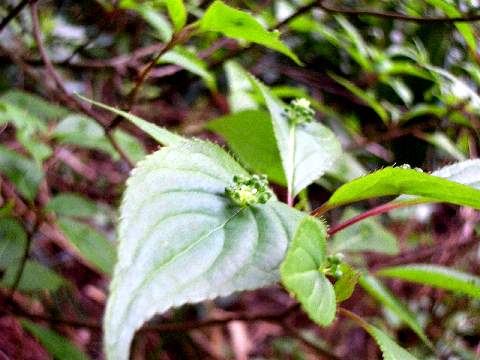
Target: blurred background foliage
395	80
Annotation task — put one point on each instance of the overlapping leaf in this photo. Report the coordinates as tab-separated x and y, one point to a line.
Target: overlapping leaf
182	240
302	272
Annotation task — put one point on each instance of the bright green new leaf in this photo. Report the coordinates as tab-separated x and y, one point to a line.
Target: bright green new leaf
240	25
436	276
90	244
303	275
315	147
163	136
182	240
20	170
191	62
367	235
379	292
35	277
390	349
177	12
396	181
71	204
58	346
345	286
250	135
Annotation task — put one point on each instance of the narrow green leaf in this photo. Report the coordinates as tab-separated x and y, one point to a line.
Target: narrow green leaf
345	286
185	241
71	204
90	244
35	277
302	272
396	181
191	62
390	349
440	140
177	12
20	170
379	292
257	149
163	136
368	98
240	25
436	276
367	235
58	346
316	147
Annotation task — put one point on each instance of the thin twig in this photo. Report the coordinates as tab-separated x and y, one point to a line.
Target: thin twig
61	85
394	15
164	328
14	12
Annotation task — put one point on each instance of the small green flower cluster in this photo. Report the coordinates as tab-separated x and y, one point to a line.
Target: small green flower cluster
299	112
247	191
333	266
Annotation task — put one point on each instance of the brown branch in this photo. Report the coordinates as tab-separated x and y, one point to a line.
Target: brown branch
61	85
14	12
394	15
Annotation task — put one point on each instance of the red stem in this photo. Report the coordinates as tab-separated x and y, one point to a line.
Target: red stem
372	212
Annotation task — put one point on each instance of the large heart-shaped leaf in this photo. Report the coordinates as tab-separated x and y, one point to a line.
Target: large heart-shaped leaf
183	240
315	147
303	275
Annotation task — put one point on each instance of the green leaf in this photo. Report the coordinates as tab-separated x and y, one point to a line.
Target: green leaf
185	241
302	272
33	104
90	244
178	14
396	181
163	136
240	87
464	172
83	131
257	149
316	148
58	346
440	140
368	98
345	286
35	277
13	240
436	276
390	349
240	25
367	235
23	172
379	292
71	204
191	62
464	28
